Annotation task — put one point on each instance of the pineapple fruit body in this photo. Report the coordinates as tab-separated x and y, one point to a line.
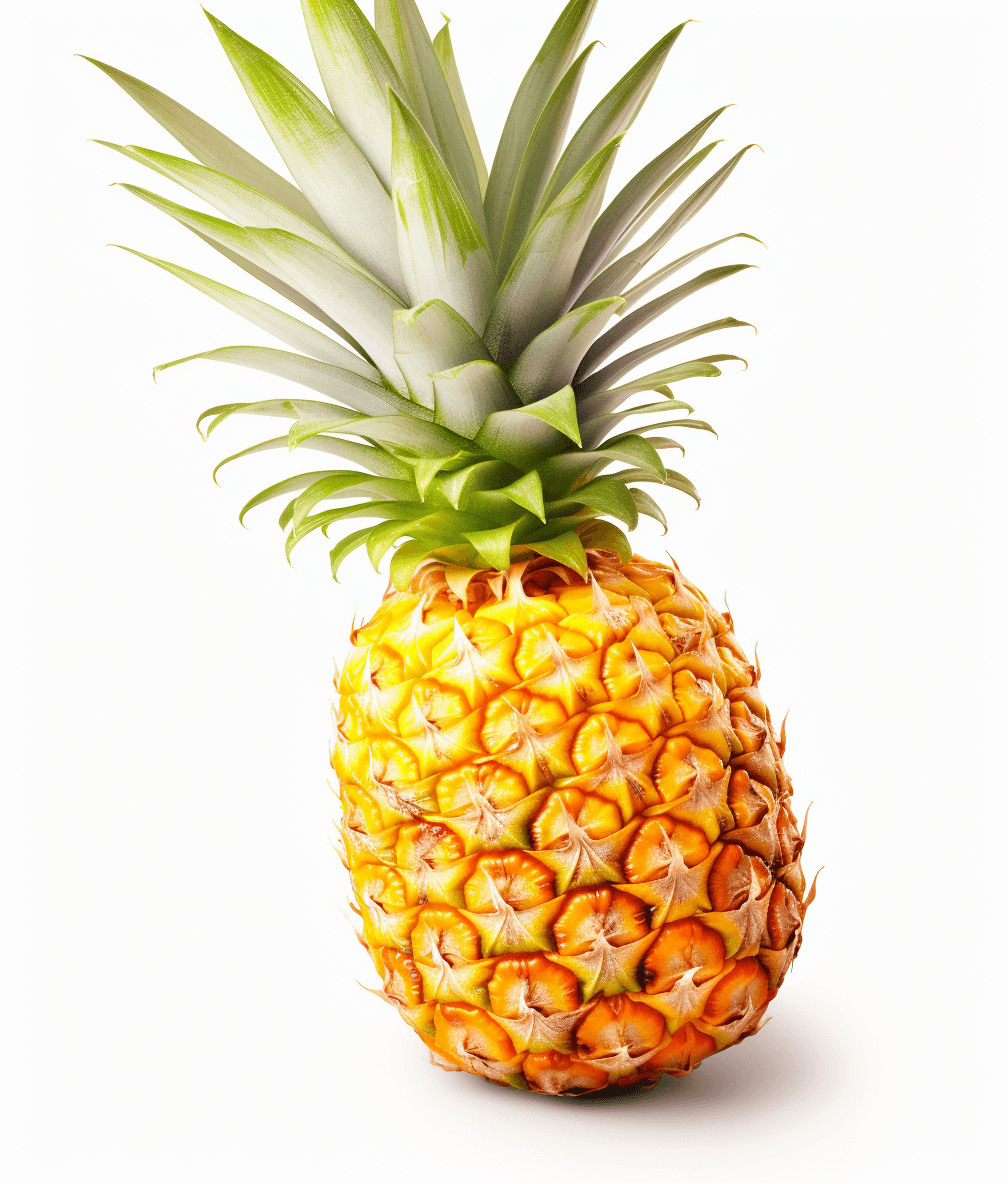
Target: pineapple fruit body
567	822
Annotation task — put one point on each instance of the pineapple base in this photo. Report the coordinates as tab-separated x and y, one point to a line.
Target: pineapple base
567	822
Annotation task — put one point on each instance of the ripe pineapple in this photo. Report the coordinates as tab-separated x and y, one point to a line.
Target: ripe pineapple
565	816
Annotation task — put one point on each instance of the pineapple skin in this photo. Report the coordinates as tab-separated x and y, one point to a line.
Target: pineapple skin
567	823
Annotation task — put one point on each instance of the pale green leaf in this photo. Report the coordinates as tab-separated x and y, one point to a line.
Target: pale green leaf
361	394
330	169
430	338
542	78
466	395
538	162
531	296
633	322
619	216
301	409
449	68
442	252
362	305
683	484
210	146
237	202
402	31
375	460
636	294
356	73
614	280
281	288
613	116
278	324
550	361
398	431
603	379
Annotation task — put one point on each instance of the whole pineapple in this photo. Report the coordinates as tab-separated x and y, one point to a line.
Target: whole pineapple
565	815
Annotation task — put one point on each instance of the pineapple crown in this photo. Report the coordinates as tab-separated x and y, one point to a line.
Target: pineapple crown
487	317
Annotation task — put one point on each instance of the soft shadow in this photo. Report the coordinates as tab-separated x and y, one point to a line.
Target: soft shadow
796	1056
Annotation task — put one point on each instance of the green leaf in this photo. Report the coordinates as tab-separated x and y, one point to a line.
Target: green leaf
323	521
559	473
364	396
606	495
527	492
647	505
538	162
441	523
291	485
635	321
566	549
279	408
528	433
604	536
466	395
402	31
351	484
449	68
494	545
550	360
683	484
456	487
346	547
427	468
330	169
559	410
271	320
603	379
610	231
441	250
406	560
613	116
210	146
542	78
533	292
356	73
428	339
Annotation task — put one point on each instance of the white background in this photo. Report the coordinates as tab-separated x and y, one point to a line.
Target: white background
180	995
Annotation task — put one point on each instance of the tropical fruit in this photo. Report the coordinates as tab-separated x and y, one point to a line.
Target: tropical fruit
567	821
565	817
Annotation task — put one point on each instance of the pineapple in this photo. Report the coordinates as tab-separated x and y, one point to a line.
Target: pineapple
565	816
